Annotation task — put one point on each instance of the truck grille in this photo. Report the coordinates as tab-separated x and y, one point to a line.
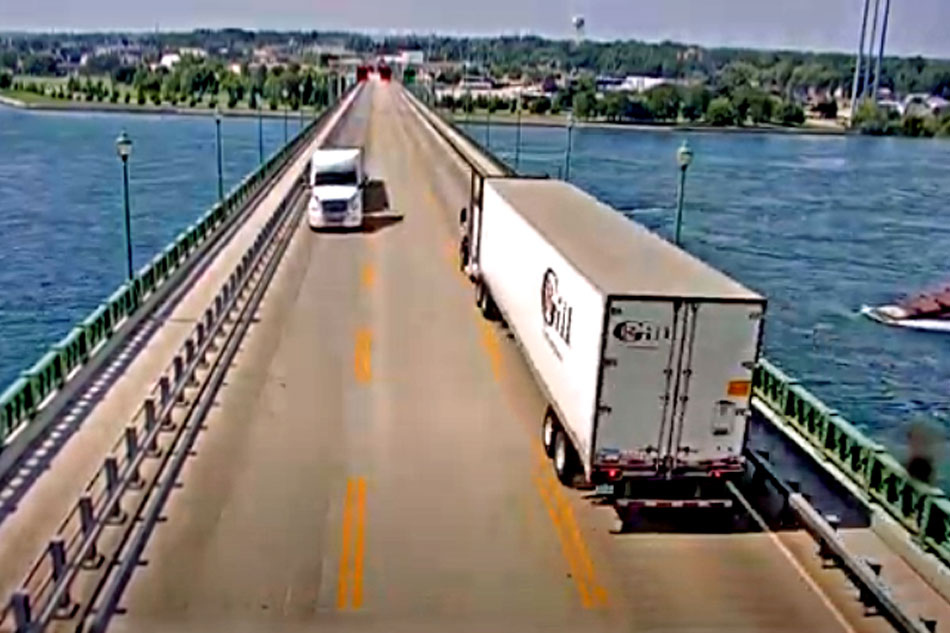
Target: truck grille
334	208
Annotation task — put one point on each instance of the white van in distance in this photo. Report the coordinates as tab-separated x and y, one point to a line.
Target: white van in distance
337	180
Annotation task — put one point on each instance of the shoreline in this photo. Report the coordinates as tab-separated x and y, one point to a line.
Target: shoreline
127	108
535	121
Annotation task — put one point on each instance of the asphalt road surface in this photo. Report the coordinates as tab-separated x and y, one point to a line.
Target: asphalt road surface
374	462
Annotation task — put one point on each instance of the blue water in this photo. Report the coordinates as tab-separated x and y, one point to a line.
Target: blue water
62	229
820	225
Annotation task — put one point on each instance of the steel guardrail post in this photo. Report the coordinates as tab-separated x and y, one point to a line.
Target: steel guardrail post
57	554
131	452
22	611
150	423
111	468
87	522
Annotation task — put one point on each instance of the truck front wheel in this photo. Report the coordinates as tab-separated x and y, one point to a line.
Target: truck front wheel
564	460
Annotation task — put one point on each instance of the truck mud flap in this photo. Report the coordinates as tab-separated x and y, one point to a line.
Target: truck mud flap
673	503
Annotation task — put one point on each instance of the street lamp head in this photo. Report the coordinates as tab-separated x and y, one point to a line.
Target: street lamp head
684	155
123	145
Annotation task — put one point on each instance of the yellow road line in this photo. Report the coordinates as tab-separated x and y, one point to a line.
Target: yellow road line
363	355
567	548
573	546
360	537
342	572
350	579
368	275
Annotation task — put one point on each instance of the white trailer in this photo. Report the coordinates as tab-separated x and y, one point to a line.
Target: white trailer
645	352
337	182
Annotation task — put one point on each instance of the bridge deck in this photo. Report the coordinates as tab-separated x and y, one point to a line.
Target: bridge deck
374	463
47	485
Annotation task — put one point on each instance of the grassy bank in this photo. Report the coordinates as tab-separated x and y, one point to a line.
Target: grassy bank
560	120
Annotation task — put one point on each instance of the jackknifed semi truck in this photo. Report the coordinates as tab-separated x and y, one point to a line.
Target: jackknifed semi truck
644	352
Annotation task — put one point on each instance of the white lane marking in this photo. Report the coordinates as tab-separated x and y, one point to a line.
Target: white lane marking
791	559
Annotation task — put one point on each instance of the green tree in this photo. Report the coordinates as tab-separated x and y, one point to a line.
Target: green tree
540	105
614	103
6	80
721	112
664	102
585	105
752	102
307	90
695	101
915	126
944	129
128	96
9	59
869	119
790	113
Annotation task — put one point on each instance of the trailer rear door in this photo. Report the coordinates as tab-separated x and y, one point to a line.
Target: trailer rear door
637	381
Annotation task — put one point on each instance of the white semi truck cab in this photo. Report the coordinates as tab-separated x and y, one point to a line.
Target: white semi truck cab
337	181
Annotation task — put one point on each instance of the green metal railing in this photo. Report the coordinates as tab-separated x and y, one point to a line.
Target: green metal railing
921	508
22	400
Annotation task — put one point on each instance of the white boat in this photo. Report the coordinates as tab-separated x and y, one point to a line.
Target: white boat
930	312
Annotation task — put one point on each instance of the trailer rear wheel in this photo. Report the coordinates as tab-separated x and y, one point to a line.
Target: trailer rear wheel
481	295
549	429
463	254
565	463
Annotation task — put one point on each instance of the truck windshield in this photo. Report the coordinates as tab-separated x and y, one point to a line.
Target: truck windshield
334	178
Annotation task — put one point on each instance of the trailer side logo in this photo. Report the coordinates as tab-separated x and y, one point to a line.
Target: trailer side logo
641	333
557	314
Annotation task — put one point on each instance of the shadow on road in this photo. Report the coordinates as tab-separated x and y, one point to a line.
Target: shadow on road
375	197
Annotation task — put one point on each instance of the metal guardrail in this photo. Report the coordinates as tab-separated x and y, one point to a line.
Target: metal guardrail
922	509
419	93
39	385
44	593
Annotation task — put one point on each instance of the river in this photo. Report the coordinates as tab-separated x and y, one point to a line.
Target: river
62	229
819	224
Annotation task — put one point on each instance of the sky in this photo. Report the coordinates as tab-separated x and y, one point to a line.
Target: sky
916	26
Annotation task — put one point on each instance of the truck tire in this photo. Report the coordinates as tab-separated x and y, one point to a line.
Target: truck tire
549	429
463	254
481	295
565	463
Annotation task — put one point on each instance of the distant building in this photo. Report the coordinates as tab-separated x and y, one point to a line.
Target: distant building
412	58
193	52
169	60
636	83
924	105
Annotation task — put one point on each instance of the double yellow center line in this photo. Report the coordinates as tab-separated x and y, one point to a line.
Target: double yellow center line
349	588
363	355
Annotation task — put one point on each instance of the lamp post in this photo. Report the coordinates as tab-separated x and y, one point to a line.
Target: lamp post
518	135
217	130
567	153
285	94
684	156
123	146
260	131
